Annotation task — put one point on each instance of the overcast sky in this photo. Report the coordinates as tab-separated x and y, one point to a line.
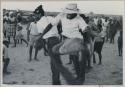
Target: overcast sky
99	7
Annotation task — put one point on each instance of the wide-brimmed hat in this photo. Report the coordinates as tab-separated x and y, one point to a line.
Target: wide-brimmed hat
71	8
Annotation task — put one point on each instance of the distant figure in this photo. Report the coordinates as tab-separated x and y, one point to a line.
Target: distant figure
96	20
5	21
19	35
11	27
120	43
6	58
112	30
33	37
18	17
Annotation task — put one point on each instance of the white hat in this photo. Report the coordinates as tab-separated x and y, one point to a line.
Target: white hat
71	8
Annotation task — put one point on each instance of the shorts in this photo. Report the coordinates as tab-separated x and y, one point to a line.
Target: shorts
33	39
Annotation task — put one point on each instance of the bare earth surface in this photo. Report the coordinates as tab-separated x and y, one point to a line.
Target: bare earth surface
39	73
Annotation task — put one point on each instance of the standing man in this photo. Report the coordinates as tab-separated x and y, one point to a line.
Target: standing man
33	37
72	24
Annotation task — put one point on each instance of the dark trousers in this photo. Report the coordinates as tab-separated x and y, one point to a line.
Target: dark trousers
55	60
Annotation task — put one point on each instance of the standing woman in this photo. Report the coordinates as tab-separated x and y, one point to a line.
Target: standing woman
11	29
5	20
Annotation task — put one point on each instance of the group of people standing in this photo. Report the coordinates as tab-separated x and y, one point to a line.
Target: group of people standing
110	25
12	27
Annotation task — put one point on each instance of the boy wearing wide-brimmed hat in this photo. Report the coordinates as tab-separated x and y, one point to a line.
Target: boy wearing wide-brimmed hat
72	24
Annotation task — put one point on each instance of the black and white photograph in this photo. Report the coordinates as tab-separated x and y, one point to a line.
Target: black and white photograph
62	42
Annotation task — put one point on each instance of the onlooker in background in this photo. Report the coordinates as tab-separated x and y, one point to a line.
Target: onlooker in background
120	43
11	28
105	27
18	17
99	24
6	58
33	37
19	35
112	30
5	21
95	20
12	19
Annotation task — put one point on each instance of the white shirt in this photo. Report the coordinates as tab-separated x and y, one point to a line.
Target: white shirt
71	27
103	20
104	25
42	24
96	21
33	28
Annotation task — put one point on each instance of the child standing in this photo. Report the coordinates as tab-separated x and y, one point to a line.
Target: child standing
6	58
19	35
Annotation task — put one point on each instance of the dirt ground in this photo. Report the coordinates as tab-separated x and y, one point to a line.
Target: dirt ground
39	73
